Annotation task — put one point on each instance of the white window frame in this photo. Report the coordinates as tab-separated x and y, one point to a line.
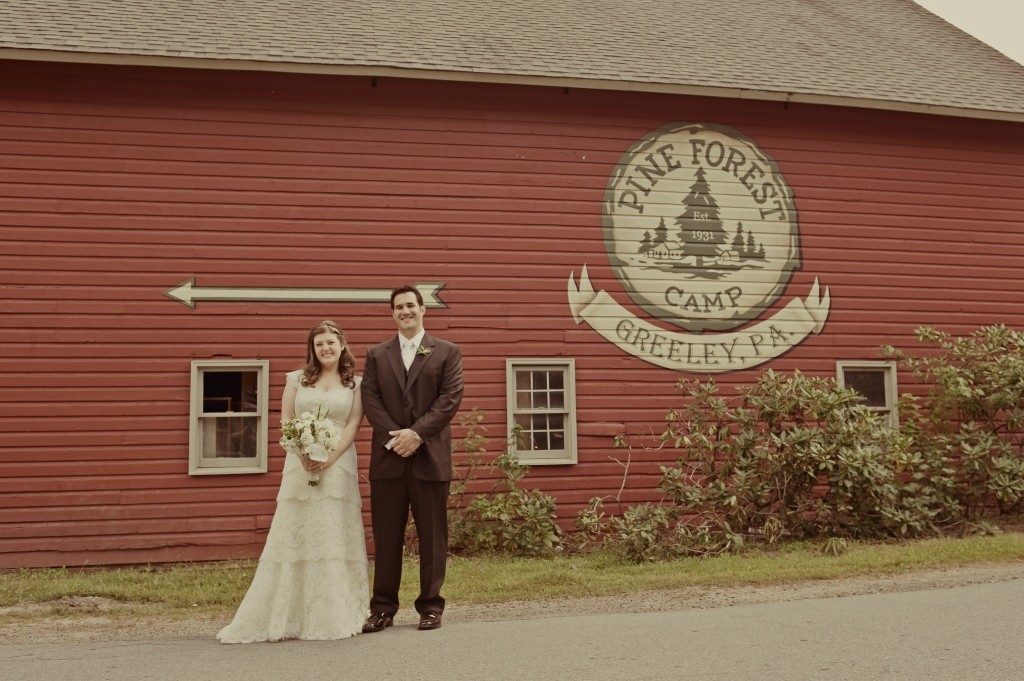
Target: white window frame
197	463
568	455
891	393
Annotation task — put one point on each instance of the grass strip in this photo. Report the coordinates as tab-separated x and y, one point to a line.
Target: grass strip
180	589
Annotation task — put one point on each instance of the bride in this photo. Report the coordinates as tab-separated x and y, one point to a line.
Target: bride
311	580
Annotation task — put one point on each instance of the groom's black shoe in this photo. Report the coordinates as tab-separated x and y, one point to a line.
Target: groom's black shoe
378	621
431	619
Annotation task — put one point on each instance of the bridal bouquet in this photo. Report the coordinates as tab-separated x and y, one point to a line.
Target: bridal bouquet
314	435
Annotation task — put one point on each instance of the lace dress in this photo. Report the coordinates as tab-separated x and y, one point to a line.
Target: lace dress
311	580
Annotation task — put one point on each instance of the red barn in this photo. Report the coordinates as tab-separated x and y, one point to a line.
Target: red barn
596	198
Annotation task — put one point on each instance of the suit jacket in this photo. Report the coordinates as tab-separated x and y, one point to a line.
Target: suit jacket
426	400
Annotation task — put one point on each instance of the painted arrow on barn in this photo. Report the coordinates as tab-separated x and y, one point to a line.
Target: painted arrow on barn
189	294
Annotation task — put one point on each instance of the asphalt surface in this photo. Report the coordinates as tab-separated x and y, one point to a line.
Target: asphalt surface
956	634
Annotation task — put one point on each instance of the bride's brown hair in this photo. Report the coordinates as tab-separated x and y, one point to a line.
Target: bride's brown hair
346	365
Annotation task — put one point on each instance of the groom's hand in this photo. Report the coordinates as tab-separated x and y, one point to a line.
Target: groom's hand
406	442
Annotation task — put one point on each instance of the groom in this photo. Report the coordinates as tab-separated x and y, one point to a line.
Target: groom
411	390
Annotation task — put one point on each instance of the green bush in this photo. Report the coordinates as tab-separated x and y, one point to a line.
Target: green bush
792	456
639	533
969	429
507	519
467	453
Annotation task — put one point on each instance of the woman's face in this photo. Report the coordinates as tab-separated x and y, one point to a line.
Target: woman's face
327	347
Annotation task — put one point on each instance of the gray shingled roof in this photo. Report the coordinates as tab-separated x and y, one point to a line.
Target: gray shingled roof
871	53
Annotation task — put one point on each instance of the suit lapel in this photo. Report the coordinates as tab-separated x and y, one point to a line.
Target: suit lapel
394	355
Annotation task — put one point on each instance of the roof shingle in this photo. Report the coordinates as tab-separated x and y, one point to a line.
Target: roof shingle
877	53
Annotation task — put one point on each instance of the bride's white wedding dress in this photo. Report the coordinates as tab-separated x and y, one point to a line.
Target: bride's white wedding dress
311	580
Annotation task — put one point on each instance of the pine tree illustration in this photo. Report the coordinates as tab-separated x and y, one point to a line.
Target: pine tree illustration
700	229
737	242
645	244
660	234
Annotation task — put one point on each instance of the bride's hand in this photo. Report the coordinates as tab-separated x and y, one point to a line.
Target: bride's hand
318	466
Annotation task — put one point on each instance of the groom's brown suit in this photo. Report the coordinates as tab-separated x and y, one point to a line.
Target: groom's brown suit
425	399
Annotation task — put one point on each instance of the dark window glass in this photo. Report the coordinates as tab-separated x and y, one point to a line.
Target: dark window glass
869	383
229	391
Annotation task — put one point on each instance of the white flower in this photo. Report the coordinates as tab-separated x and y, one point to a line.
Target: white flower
315	436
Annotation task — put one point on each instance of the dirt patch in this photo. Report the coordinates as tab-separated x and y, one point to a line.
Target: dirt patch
101	619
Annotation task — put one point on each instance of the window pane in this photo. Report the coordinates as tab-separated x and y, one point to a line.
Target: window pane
541	432
869	383
540	389
522	399
250	401
229	391
524	441
230	438
540	380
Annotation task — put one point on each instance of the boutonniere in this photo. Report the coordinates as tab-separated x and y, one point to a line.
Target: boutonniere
424	350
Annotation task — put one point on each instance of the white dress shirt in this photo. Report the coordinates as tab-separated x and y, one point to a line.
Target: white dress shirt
409	347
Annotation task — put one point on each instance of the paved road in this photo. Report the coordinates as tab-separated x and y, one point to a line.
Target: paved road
959	634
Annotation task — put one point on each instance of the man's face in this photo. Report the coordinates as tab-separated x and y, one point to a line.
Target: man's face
408	314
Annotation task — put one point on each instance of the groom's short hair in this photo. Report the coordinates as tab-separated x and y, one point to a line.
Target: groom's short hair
406	289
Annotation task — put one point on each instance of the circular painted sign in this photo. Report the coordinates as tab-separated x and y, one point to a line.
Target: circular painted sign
700	227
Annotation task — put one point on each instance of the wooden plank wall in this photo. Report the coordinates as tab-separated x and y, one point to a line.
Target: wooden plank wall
119	183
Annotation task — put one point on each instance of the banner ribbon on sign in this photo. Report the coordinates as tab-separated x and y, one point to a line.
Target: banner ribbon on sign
705	353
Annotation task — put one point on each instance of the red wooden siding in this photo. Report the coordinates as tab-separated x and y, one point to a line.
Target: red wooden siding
117	184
